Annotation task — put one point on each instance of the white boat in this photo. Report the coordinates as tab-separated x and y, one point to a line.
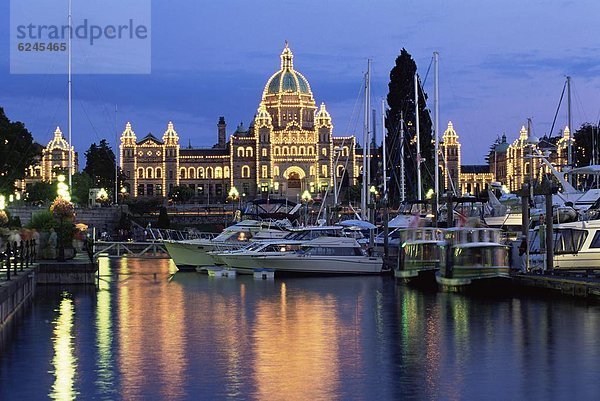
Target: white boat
196	252
421	250
576	247
473	255
244	259
324	255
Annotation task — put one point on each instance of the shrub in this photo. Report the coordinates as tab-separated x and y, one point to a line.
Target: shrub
42	220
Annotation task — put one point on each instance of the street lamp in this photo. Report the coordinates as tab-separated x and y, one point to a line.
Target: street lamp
62	189
2	202
306	197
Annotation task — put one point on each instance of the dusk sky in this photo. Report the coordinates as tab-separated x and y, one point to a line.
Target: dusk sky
500	62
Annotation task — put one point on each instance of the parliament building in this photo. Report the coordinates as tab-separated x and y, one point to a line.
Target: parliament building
289	148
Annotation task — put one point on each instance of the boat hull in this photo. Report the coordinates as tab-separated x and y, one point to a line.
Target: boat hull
189	255
301	264
463	277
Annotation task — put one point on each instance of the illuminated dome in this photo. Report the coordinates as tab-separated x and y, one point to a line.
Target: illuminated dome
58	142
287	80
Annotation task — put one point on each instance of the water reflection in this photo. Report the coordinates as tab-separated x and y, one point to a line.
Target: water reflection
64	361
148	335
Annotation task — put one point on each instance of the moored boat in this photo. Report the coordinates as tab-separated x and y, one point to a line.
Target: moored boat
473	256
421	251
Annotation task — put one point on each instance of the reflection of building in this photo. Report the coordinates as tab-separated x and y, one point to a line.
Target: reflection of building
510	164
287	149
53	161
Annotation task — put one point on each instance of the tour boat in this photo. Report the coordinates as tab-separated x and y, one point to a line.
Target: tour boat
324	255
576	246
473	255
189	254
421	251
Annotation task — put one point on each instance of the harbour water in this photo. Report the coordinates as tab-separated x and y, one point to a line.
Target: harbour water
149	333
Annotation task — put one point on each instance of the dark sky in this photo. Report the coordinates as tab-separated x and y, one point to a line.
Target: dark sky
500	62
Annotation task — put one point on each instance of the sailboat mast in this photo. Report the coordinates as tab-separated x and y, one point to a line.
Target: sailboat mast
419	190
436	71
368	130
569	122
116	159
383	145
363	198
70	102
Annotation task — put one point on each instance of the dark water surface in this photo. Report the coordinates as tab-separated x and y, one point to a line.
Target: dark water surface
150	334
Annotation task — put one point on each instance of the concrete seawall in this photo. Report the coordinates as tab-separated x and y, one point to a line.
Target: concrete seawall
16	294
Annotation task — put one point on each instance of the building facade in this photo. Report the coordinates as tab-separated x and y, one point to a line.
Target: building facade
288	148
510	164
54	160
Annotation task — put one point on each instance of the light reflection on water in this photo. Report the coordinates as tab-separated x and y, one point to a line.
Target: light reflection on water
149	334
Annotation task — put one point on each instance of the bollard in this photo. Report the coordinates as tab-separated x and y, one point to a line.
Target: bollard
27	253
22	254
15	252
8	261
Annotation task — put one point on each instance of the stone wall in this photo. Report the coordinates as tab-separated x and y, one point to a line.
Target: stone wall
94	217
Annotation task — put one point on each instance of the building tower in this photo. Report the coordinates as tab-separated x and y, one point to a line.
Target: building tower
127	151
451	161
170	166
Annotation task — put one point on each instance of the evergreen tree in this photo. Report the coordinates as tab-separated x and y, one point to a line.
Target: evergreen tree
17	152
400	99
100	166
583	150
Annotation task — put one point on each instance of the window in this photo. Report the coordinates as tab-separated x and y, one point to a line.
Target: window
158	172
140	190
200	172
311	169
245	172
240	152
191	172
302	150
140	172
159	190
170	174
264	152
264	172
340	171
285	151
218	172
149	172
200	189
249	152
128	173
150	188
209	172
264	187
324	151
276	171
596	241
276	151
311	150
218	189
182	173
245	189
226	172
294	151
345	151
324	170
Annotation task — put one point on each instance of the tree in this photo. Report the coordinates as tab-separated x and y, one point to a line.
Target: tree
401	102
586	137
100	166
181	194
163	218
82	183
40	193
17	152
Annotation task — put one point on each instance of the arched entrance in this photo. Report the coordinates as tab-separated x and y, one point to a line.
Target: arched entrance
293	186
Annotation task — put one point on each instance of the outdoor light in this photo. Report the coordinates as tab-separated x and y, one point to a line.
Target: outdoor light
17	195
102	194
233	193
11	198
429	193
306	196
2	202
123	190
63	189
373	190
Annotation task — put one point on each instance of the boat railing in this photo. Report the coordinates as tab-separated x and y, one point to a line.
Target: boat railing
160	234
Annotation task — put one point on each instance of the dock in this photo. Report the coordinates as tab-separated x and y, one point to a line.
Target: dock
575	286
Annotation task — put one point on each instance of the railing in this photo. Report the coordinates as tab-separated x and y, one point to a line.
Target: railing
159	234
17	256
130	249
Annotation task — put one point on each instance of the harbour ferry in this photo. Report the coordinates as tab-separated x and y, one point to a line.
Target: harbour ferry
421	253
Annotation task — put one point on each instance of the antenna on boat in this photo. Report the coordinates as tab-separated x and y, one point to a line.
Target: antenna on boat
436	99
569	123
365	190
70	100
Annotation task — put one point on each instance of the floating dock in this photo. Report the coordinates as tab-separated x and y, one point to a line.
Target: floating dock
581	287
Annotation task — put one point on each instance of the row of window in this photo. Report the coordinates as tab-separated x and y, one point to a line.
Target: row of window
201	172
288	151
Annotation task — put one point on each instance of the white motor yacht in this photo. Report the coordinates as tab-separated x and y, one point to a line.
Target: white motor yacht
244	260
190	254
324	255
576	246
